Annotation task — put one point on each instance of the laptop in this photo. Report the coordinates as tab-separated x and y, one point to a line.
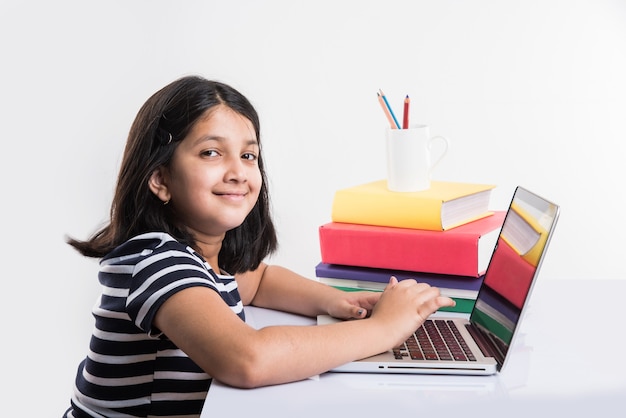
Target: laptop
479	345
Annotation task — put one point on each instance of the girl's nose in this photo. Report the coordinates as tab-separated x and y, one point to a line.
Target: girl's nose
235	170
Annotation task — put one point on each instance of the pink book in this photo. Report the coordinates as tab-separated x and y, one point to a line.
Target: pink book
463	251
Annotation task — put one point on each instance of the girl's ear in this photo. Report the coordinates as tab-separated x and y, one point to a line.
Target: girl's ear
158	185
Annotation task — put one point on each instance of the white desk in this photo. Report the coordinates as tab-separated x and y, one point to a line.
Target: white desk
538	378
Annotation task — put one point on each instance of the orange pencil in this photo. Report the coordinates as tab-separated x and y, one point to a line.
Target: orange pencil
405	118
392	124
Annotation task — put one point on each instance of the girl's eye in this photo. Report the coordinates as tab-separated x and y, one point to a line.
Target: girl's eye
210	153
249	156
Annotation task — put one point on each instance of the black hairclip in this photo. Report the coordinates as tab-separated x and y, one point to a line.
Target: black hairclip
164	137
164	134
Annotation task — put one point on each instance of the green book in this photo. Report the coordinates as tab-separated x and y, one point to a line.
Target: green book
462	305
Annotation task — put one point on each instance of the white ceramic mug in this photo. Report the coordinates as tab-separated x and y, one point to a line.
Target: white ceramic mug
409	165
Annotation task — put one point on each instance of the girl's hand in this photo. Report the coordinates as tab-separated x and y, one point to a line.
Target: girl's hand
404	306
353	305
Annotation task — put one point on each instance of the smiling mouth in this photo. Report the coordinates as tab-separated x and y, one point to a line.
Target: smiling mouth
233	195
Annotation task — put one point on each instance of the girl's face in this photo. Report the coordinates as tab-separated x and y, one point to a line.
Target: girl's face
214	178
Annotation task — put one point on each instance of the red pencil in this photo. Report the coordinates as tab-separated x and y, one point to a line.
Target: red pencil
405	118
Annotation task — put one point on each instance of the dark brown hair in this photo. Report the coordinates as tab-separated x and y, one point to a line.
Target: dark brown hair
164	120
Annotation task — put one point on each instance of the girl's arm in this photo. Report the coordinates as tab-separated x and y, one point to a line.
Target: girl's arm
199	322
301	295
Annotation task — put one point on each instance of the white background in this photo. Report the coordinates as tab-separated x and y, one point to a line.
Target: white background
529	92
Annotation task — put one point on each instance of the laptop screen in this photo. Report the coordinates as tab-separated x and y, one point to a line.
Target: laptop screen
514	265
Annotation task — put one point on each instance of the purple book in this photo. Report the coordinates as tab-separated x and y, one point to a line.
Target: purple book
366	274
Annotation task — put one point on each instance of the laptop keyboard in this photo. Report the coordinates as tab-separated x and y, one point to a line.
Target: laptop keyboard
436	339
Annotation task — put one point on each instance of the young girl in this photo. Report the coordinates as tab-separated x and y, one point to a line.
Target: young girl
190	211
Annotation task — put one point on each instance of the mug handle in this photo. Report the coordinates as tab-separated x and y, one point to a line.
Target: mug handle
443	153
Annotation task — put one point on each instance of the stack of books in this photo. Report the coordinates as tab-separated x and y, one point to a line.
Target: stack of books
443	236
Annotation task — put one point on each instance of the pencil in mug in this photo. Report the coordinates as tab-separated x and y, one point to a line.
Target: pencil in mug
405	117
393	122
392	125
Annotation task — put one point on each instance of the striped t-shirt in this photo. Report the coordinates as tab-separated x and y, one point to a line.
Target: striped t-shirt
131	368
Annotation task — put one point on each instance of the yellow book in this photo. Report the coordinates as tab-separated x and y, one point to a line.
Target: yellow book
445	205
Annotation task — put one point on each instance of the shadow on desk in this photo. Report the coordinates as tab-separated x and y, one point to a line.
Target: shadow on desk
425	396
